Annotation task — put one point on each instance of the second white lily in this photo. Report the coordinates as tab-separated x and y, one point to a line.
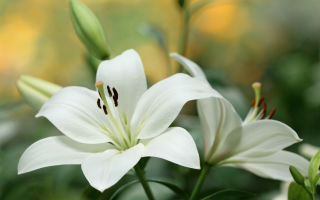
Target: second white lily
107	131
255	144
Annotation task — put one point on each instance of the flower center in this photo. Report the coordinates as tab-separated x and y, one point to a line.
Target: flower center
118	130
258	106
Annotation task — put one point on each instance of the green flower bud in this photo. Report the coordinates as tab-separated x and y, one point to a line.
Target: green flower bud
36	91
297	176
89	29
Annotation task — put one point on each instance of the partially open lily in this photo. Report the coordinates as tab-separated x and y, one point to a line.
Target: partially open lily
255	144
107	131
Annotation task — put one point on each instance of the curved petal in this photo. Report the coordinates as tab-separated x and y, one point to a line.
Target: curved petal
74	111
275	166
103	170
175	145
190	66
126	74
160	105
218	119
56	150
265	136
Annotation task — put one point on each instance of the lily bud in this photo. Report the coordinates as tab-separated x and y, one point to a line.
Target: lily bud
297	176
36	91
89	29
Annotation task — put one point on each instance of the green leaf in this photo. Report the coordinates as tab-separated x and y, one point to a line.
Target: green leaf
90	193
171	186
229	194
313	168
297	176
297	192
122	188
143	162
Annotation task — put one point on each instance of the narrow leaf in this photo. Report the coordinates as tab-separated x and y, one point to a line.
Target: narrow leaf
314	167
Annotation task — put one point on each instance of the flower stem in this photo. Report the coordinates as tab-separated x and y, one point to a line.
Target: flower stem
202	176
145	185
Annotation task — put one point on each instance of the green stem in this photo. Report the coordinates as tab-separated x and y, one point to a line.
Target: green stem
202	176
145	185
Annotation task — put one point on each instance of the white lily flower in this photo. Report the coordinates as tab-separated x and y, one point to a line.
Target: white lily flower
255	144
107	131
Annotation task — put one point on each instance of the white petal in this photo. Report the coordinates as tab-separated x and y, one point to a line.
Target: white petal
160	105
190	66
74	111
175	145
218	119
126	74
103	170
57	150
275	166
264	136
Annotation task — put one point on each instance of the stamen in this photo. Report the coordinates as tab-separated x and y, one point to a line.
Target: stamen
115	101
109	91
260	101
253	102
98	103
105	110
272	113
115	92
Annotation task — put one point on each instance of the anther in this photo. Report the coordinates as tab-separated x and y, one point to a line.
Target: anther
115	93
272	113
105	110
98	103
115	100
253	102
260	101
109	91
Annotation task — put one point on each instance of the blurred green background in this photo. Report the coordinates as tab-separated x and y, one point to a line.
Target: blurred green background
236	42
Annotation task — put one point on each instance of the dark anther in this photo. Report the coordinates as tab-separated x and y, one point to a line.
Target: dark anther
105	110
109	91
253	102
272	113
115	93
115	100
98	103
261	100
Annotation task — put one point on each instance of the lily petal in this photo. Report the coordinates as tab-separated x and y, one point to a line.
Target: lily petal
56	150
74	111
126	74
103	170
218	119
275	166
160	104
265	136
175	145
190	66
